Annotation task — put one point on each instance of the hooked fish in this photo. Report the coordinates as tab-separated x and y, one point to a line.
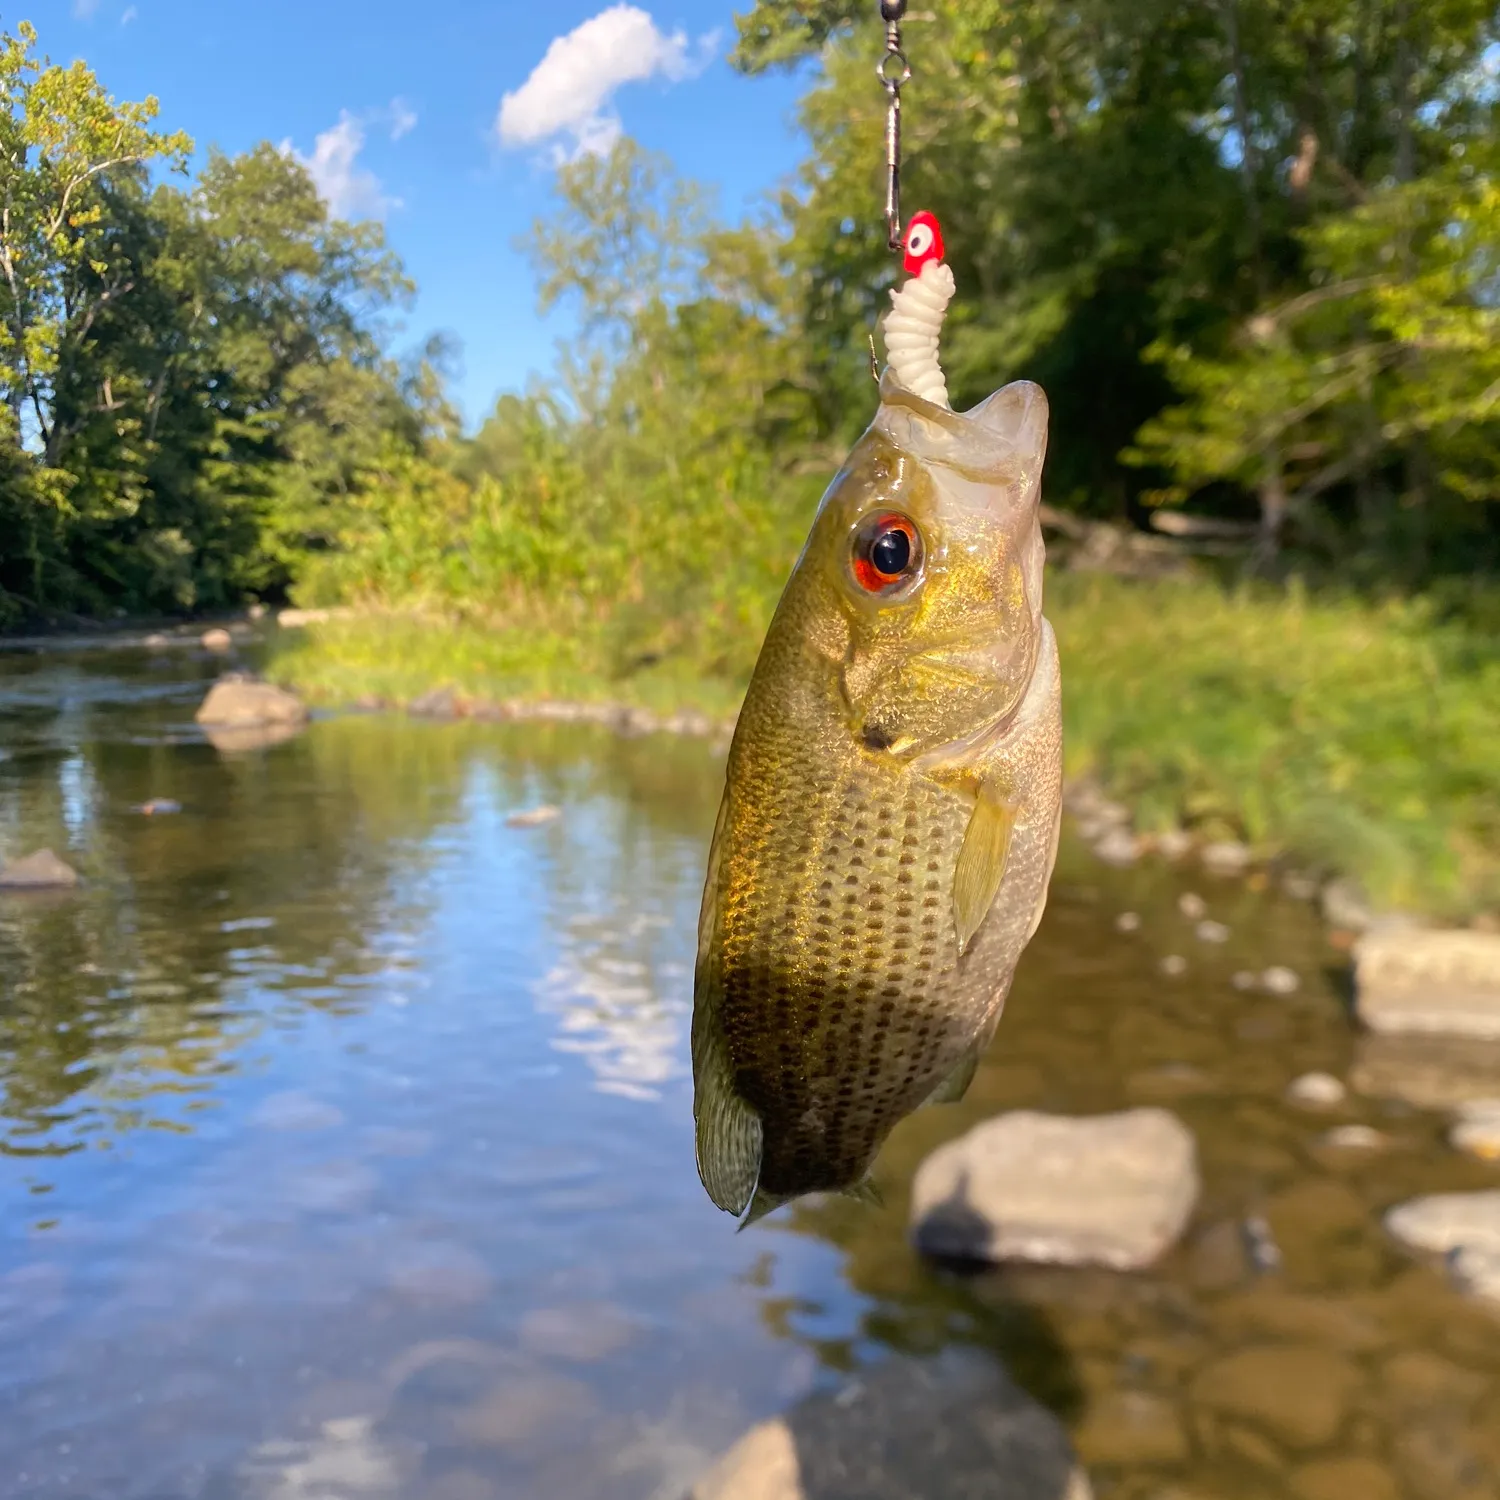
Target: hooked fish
891	807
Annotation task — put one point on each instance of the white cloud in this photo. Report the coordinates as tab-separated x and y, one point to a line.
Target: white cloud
402	118
83	10
569	91
350	191
128	15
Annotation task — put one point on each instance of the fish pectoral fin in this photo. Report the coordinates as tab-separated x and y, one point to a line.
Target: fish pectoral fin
981	860
956	1084
866	1191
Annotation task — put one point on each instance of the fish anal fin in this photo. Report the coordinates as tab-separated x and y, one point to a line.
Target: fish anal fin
981	860
727	1131
728	1140
956	1084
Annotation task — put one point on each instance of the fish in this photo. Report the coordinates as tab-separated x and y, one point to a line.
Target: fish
891	807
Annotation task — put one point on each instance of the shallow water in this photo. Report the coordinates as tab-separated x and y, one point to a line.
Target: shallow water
345	1144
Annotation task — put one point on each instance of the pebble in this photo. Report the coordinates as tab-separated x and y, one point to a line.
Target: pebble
1279	980
1245	979
1354	1138
1321	1089
1228	857
1192	906
217	639
1478	1129
40	871
1209	931
1417	980
1128	921
1111	1190
1174	965
533	817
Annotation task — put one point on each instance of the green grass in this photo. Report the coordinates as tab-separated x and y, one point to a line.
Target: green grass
1361	739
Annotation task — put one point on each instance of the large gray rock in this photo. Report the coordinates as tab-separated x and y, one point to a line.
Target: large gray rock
1413	980
244	703
1110	1190
1464	1227
952	1428
42	871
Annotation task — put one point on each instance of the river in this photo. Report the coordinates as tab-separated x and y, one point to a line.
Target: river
346	1143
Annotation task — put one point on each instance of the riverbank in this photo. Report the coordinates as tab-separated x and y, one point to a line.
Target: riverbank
1347	738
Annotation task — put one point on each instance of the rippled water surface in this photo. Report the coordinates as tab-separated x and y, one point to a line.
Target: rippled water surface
346	1149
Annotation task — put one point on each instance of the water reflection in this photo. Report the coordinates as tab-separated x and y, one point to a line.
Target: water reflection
346	1149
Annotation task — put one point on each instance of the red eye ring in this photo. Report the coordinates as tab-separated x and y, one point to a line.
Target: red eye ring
887	552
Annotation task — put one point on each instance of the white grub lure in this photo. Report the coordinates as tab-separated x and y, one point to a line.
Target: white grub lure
915	321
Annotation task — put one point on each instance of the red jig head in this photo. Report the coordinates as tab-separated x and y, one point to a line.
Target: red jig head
923	242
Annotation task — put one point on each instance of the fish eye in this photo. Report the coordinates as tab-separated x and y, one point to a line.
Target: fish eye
919	241
887	552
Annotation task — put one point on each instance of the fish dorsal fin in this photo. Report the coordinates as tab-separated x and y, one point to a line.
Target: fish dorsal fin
981	861
727	1131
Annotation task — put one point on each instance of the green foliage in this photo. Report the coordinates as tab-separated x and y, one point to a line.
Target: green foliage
193	381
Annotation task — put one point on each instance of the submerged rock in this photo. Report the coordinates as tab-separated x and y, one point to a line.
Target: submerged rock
240	702
1413	980
1111	1190
217	639
907	1430
1279	980
533	817
1465	1227
1431	1072
42	871
1297	1395
229	741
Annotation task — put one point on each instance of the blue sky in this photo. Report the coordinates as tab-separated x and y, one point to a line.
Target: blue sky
407	100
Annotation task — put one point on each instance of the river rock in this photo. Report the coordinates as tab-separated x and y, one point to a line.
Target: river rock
1344	905
233	741
1131	1429
42	871
245	703
1431	1072
436	703
907	1430
1227	857
217	639
1111	1190
1319	1090
1209	931
1414	980
1296	1395
1192	906
1174	843
1478	1129
1344	1479
1464	1227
